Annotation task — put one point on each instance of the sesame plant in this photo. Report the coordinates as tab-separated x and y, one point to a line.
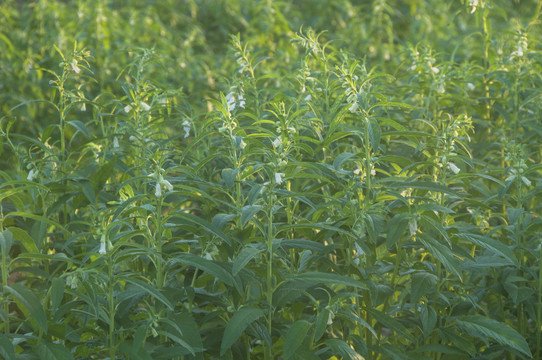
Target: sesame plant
270	180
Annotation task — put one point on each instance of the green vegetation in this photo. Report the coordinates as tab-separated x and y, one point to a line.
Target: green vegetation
239	179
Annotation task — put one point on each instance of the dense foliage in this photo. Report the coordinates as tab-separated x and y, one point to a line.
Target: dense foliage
242	179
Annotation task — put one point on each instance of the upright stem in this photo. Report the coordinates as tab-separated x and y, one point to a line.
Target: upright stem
5	270
111	299
539	310
158	246
269	278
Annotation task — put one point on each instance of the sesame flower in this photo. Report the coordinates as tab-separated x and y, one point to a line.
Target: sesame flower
473	4
278	178
242	144
413	227
353	107
453	168
470	86
186	128
127	108
158	190
74	66
116	142
231	101
308	97
103	248
31	175
277	142
145	106
167	185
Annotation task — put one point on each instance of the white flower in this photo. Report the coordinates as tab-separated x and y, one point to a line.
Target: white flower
277	142
242	144
454	168
308	97
241	101
470	86
103	249
330	319
75	68
158	190
373	172
278	178
83	107
132	138
473	4
31	175
127	108
357	171
167	185
413	227
116	142
436	70
231	101
186	128
145	106
526	181
354	107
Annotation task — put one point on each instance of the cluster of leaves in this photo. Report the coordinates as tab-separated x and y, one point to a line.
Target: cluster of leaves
327	203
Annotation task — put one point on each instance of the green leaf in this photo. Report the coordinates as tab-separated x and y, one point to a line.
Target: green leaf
325	278
25	239
104	172
422	283
6	241
390	323
396	227
50	351
6	348
207	226
57	292
152	291
428	318
294	337
208	266
219	220
340	159
424	185
341	348
482	327
82	128
237	325
189	328
87	189
374	133
494	246
37	218
247	212
244	257
321	324
229	176
30	302
442	253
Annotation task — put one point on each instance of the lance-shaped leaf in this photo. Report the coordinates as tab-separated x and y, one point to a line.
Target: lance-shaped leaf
312	278
294	337
30	303
244	257
237	325
482	327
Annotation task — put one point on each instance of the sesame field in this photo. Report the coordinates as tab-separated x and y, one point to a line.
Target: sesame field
259	179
